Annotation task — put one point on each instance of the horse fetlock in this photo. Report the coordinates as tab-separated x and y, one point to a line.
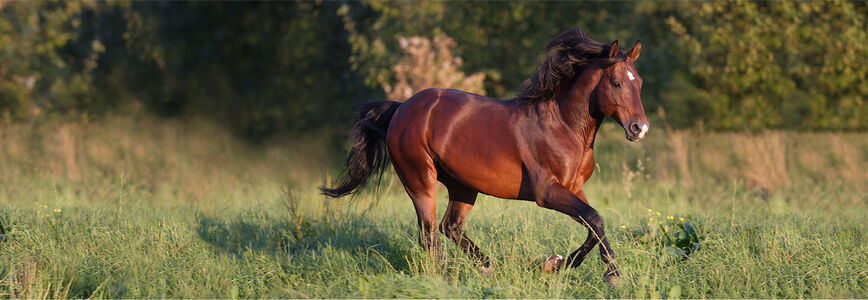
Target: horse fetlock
612	276
487	271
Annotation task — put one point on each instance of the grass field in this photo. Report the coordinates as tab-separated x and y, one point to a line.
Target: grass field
147	208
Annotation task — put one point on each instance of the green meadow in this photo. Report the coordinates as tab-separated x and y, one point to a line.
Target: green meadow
173	149
143	208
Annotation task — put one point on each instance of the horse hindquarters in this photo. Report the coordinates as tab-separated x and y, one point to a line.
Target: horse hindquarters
429	131
417	174
415	167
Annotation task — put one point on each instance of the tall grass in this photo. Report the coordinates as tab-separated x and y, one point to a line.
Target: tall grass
150	208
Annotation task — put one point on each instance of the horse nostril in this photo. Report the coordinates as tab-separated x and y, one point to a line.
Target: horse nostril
634	128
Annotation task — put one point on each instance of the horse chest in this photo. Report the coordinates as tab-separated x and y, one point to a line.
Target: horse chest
580	173
586	168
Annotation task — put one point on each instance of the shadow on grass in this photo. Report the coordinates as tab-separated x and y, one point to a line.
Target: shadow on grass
279	237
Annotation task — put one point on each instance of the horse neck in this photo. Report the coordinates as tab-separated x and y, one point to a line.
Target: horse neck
575	107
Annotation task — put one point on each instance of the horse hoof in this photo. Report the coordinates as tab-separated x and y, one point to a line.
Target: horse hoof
612	277
553	263
487	271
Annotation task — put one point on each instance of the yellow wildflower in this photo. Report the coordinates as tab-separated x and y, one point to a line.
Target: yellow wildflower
57	210
670	218
658	213
649	210
681	219
650	219
45	206
622	226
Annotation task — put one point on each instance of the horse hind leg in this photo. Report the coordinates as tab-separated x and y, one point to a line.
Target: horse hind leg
461	200
419	177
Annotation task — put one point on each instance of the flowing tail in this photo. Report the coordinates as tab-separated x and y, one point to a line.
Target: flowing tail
368	153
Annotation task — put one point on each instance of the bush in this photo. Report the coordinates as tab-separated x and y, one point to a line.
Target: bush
14	100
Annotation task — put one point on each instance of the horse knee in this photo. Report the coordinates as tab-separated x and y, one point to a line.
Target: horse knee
592	220
595	220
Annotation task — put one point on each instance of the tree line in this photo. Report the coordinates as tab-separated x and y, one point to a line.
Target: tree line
271	67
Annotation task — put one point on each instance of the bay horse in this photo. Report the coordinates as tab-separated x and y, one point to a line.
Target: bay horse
537	147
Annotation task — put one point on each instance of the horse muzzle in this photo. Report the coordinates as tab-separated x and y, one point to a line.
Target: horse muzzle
635	131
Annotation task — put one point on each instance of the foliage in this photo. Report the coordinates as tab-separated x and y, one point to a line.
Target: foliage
722	65
13	100
683	242
777	64
268	67
502	40
260	68
424	65
264	67
44	49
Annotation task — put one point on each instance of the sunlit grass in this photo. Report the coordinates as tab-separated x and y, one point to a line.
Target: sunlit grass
200	214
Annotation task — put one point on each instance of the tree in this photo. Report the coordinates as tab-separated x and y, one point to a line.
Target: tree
777	64
425	65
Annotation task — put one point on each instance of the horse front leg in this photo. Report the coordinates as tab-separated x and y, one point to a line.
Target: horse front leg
559	198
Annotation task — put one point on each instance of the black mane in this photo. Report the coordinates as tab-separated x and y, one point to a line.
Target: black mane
567	53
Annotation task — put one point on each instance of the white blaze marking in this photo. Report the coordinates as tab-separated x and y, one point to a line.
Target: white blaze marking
630	74
644	130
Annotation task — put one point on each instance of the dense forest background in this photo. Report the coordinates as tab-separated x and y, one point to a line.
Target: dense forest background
270	68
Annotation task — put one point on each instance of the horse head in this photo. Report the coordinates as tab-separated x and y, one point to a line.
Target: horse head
618	91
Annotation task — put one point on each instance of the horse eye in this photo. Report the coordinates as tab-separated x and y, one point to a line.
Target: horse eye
616	83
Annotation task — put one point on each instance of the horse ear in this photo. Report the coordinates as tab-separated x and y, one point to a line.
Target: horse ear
634	53
613	49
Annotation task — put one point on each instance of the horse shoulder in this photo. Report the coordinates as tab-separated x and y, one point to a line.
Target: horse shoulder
585	170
